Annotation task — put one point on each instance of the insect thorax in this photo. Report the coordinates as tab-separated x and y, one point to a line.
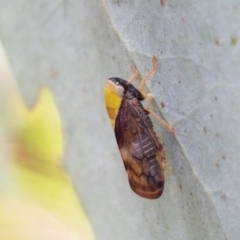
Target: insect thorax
133	92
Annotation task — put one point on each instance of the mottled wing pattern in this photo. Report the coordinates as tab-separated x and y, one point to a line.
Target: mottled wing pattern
141	151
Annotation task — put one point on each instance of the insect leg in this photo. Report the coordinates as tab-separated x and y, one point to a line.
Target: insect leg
149	73
135	74
150	95
146	77
169	127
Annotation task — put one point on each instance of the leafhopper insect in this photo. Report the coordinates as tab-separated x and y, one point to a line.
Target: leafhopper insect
141	151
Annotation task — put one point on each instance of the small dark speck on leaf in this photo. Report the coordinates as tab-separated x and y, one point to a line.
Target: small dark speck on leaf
162	2
191	193
217	165
211	115
180	186
217	42
113	57
179	82
234	41
223	196
205	130
223	157
52	72
162	104
118	2
215	98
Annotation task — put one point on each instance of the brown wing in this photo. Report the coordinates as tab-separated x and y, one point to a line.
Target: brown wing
141	151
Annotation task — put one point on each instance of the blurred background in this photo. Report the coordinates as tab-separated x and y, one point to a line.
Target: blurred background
37	197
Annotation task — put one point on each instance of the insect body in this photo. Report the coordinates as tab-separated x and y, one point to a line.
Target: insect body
140	149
